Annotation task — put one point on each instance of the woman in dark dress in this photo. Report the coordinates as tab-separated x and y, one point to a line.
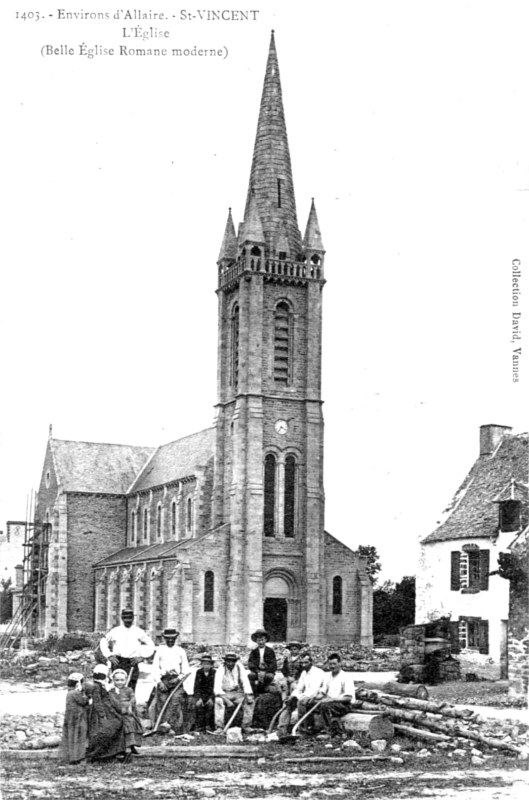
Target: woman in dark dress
75	726
106	734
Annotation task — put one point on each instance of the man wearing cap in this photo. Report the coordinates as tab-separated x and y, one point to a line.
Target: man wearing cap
170	666
232	686
126	645
292	664
262	664
203	695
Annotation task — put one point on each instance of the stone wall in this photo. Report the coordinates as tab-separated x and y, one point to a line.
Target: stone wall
518	636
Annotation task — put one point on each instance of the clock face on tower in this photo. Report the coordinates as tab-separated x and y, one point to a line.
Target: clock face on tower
281	427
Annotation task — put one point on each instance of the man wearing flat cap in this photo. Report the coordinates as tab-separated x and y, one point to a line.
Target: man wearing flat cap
126	646
262	664
232	687
170	667
203	695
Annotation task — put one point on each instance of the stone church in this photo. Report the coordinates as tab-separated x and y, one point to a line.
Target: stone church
222	531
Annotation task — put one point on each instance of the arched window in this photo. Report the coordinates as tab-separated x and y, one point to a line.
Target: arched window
189	514
133	527
290	497
235	346
282	344
159	522
337	595
269	495
145	524
173	519
209	591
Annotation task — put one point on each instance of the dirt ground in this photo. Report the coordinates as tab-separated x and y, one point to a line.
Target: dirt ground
232	780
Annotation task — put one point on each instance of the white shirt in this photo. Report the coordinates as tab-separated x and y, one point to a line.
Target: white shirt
127	642
309	683
168	659
335	686
235	680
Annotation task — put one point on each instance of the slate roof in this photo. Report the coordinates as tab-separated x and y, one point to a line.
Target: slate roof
473	511
97	467
175	460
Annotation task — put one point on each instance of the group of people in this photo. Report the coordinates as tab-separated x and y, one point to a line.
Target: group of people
101	719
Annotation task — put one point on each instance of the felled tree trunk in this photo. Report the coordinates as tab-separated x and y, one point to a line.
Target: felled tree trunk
399	689
387	700
377	726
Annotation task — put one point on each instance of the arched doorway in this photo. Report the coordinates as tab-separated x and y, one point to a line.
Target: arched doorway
281	605
275	618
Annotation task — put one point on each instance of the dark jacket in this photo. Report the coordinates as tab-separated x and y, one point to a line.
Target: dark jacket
270	663
203	689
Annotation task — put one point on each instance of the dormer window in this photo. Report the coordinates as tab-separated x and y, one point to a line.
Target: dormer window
509	515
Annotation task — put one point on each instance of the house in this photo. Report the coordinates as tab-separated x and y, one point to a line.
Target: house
458	565
515	568
221	531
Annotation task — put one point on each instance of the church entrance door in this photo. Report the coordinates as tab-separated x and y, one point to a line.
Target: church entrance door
275	618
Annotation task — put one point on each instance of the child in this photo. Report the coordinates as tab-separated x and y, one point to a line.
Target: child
131	722
75	726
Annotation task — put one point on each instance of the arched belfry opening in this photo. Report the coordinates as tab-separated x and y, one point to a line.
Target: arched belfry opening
281	605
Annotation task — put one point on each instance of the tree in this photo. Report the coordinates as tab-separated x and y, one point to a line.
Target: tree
373	564
393	606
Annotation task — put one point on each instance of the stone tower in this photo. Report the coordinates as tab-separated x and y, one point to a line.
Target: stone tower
269	424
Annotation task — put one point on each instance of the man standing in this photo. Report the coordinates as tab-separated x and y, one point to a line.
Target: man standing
126	645
304	695
169	668
262	664
337	693
231	687
203	694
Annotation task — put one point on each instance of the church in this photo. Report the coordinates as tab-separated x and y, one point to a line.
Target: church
222	531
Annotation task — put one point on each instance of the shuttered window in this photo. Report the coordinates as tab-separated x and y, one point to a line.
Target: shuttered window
235	346
290	497
469	570
269	495
282	344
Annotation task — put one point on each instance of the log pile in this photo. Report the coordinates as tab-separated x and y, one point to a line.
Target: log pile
437	722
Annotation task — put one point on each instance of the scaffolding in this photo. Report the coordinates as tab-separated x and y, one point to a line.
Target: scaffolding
29	618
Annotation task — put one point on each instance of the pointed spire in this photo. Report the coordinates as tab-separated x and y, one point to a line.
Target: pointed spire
228	248
252	228
271	173
312	239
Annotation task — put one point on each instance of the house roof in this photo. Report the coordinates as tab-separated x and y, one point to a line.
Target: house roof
176	460
473	511
97	467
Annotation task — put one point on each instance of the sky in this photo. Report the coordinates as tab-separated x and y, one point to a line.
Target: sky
408	123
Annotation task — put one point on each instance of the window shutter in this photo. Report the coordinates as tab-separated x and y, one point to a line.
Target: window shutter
484	569
483	634
454	572
454	637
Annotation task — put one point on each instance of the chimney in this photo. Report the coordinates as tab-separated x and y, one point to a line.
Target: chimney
490	436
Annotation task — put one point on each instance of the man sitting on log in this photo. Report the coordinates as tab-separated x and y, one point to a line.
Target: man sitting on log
231	687
262	664
203	697
170	666
304	695
337	694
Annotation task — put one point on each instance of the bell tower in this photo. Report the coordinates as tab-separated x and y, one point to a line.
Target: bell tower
269	425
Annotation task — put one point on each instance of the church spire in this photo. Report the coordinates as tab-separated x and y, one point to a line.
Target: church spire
271	173
228	248
312	239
